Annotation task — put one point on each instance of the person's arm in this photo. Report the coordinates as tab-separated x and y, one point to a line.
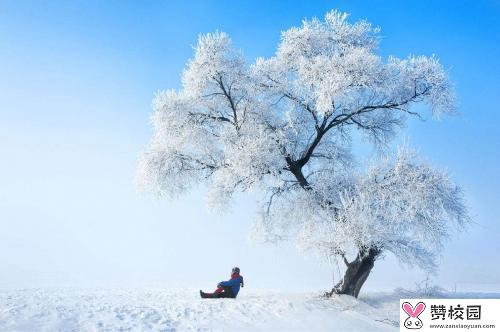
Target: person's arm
230	283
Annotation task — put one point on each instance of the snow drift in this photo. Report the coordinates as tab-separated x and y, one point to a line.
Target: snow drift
183	310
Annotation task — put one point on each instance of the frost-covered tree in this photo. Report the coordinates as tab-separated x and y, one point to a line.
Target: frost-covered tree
283	127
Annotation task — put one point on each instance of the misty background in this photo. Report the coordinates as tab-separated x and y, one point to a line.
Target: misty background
76	84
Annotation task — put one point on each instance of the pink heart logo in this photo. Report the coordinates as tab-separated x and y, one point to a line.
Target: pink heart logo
411	311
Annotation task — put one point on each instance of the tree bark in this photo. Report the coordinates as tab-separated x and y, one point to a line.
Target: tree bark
356	273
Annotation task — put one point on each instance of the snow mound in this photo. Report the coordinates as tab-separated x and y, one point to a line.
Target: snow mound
183	310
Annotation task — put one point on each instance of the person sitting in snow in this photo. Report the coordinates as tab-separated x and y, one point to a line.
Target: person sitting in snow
226	289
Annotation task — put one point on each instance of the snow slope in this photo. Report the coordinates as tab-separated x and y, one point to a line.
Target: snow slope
182	310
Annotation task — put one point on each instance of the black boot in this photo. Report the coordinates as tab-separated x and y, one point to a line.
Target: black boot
206	295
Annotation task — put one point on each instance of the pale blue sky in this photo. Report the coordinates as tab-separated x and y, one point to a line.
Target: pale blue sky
76	83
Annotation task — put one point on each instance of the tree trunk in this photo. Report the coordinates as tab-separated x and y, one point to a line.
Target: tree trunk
356	273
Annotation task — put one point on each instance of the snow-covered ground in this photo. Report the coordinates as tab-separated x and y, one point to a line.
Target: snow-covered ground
183	310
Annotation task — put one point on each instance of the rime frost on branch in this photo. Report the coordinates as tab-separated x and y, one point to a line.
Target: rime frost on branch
283	126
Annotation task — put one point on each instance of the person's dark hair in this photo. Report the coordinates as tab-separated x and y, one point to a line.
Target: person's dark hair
236	270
